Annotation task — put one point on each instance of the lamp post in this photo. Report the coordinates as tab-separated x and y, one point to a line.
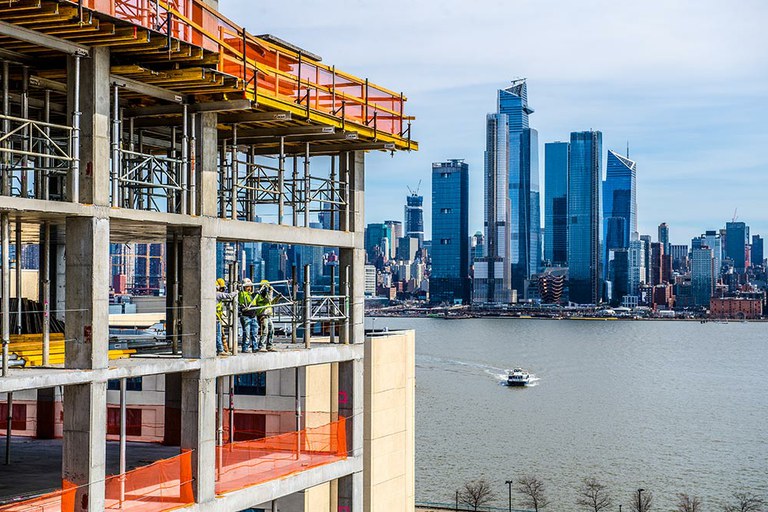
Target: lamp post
509	483
640	500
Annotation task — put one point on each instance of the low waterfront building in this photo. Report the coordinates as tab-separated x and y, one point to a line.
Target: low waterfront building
735	308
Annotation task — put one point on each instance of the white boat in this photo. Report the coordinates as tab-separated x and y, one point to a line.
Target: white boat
518	377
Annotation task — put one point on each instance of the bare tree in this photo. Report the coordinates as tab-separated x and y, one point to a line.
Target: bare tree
642	501
532	490
687	503
745	502
476	493
593	495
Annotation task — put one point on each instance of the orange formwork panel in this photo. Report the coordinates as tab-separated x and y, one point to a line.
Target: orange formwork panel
246	463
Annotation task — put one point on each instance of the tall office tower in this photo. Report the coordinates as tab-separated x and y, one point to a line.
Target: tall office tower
657	263
702	275
492	283
414	217
585	217
376	241
713	240
618	277
758	256
396	232
737	237
449	281
556	203
647	249
619	203
664	236
477	247
679	254
523	167
637	266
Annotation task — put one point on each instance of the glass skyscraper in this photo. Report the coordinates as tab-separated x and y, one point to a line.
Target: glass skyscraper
620	210
585	217
524	192
702	275
556	203
414	217
737	235
449	281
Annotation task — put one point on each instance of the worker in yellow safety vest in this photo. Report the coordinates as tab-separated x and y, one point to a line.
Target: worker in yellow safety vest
222	313
247	302
264	301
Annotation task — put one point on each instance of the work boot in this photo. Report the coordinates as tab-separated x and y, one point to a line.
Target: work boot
271	349
247	350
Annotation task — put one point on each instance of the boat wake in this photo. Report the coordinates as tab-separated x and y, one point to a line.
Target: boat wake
502	378
456	366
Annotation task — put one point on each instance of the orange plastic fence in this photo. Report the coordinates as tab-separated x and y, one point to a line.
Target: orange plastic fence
160	486
245	463
264	68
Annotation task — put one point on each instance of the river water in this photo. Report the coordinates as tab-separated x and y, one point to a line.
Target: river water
666	406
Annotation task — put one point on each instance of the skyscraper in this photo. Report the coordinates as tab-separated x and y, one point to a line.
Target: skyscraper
449	281
556	203
524	196
414	217
758	255
620	217
664	236
637	266
737	236
585	217
713	240
492	283
702	275
396	231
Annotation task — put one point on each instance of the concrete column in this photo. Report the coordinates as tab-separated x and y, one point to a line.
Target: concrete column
84	446
351	387
94	125
355	257
198	303
207	164
87	293
198	431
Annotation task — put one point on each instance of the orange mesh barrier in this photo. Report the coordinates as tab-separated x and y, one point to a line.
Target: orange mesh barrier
245	463
160	486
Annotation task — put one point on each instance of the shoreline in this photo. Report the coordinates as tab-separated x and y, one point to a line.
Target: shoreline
517	316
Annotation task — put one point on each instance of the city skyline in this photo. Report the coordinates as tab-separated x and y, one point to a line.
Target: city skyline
691	117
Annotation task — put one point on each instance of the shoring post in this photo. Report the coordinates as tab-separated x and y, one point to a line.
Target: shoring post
6	179
307	185
172	199
281	182
295	190
233	173
122	439
234	286
74	193
18	277
297	402
294	304
140	194
175	331
43	175
219	422
26	133
231	410
184	171
347	203
45	264
130	195
5	302
332	335
8	428
334	189
115	146
346	330
307	308
223	179
192	165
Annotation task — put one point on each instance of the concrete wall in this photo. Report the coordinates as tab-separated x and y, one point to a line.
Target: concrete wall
390	380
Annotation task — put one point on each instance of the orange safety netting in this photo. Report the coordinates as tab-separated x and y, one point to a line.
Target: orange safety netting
160	486
245	463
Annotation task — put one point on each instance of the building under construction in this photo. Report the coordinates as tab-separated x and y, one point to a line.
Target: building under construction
164	124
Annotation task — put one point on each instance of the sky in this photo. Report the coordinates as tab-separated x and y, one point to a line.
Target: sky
685	83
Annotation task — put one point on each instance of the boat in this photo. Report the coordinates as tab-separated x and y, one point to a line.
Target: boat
518	377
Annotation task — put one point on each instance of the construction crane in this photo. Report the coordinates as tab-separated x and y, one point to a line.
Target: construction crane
735	214
416	192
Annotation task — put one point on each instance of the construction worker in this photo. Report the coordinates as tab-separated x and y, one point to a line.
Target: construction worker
264	301
247	302
222	314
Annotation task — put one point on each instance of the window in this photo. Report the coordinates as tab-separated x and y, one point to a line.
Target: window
445	175
18	418
132	384
251	384
445	241
446	210
132	421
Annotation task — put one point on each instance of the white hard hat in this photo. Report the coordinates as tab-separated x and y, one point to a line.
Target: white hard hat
247	282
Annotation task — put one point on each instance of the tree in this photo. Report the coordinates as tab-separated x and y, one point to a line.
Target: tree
642	501
532	490
746	502
593	495
687	503
476	493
